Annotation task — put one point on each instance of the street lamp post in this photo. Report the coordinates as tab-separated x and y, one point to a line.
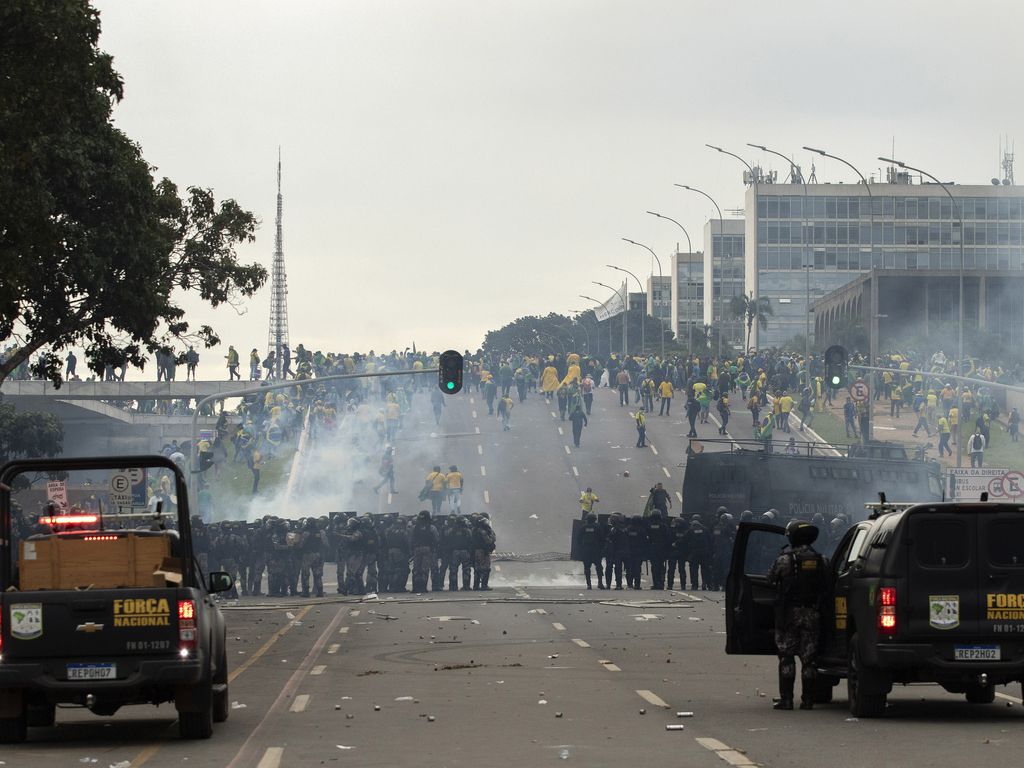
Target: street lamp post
600	304
660	278
643	319
960	323
581	324
689	307
625	314
873	330
721	235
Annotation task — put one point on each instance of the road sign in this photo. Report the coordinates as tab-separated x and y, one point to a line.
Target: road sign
968	483
860	391
57	492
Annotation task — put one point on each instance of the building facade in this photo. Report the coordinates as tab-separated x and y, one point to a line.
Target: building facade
804	243
724	253
688	295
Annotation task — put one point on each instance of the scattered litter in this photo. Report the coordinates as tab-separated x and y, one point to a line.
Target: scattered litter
501	682
350	716
121	764
238	705
430	718
404	698
543	701
346	698
675	727
684	714
623	459
371	596
376	707
643	711
295	623
289	615
563	755
534	517
752	730
558	714
337	707
647	616
342	746
88	760
852	720
695	618
553	656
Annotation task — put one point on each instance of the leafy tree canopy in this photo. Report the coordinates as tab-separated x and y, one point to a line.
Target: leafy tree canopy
93	250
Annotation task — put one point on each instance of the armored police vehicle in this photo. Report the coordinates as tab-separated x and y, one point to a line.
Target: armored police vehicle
818	479
928	592
102	602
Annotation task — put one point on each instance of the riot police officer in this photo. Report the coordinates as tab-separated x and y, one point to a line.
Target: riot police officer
460	539
698	553
801	580
677	552
424	540
616	549
658	543
483	546
591	544
396	541
637	537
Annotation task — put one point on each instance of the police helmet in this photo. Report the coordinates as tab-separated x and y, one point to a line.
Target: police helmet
591	517
818	519
423	514
656	513
746	516
800	532
770	516
727	520
721	511
352	523
695	519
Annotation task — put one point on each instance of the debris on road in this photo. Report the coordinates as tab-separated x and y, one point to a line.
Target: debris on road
684	714
404	698
675	727
238	705
342	746
543	701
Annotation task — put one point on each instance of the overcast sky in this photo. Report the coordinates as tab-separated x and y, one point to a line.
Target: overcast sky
452	165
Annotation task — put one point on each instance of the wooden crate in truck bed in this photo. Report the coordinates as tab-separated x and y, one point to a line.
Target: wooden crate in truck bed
100	560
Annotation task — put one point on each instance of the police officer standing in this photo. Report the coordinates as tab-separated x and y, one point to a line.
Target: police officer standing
591	543
800	577
424	540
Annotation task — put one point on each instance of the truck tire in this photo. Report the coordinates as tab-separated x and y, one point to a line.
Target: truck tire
41	715
861	704
198	724
823	687
981	694
14	730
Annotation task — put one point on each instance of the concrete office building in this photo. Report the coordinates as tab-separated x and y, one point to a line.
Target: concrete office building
805	246
724	259
687	294
659	298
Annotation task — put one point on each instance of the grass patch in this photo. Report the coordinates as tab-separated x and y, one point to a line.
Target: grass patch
235	481
1001	452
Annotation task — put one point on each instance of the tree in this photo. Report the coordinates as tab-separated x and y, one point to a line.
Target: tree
28	435
751	310
93	251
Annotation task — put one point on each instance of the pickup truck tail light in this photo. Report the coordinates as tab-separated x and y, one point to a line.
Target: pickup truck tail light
887	611
187	628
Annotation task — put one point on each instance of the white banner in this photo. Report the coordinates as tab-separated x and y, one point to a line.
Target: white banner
1001	484
612	307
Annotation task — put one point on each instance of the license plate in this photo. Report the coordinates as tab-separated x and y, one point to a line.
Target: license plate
92	671
976	653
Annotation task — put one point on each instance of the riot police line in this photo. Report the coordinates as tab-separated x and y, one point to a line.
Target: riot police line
372	553
698	548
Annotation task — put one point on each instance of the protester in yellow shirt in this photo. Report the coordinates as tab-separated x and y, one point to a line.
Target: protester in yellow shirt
587	501
665	391
785	405
454	482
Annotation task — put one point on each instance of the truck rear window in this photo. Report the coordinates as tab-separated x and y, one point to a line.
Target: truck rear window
942	543
1006	542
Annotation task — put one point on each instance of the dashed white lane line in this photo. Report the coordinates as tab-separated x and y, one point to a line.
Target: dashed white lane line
487	497
389	498
655	450
300	703
271	758
567	449
319	669
472	401
725	752
477	430
575	471
558	626
353	612
541	611
483	470
561	431
609	665
652	698
666	472
679	496
581	643
1008	697
474	414
480	450
554	415
333	648
343	631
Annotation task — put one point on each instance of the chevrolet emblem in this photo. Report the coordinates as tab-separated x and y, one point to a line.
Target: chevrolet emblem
89	626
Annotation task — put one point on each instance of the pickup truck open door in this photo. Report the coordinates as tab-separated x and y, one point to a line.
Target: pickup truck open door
749	600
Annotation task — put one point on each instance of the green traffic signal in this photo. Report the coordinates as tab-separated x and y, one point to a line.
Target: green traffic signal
451	385
836	381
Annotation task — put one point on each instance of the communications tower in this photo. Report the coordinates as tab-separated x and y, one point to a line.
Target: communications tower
278	335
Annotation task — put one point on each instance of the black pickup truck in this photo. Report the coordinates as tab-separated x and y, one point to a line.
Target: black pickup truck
102	601
931	592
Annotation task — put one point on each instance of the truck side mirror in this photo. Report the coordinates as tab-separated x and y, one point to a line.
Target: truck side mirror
220	581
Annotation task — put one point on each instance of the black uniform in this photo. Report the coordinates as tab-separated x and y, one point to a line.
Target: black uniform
591	545
658	545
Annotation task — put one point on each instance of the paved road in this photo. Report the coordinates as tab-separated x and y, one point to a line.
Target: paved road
308	675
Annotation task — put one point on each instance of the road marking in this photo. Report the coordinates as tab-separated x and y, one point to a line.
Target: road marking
713	744
389	497
610	667
483	470
581	643
554	415
300	703
472	401
666	472
679	496
343	631
333	649
1008	697
271	758
559	627
480	450
567	449
474	414
263	649
575	471
725	752
354	612
319	669
487	497
541	611
652	698
560	431
497	568
477	430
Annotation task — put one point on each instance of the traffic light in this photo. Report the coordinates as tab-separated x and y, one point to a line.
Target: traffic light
835	366
449	373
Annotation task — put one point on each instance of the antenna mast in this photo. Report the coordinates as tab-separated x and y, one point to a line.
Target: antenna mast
278	334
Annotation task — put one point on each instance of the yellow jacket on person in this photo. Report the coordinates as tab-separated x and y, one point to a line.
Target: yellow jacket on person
549	380
665	390
587	501
436	480
453	479
572	375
